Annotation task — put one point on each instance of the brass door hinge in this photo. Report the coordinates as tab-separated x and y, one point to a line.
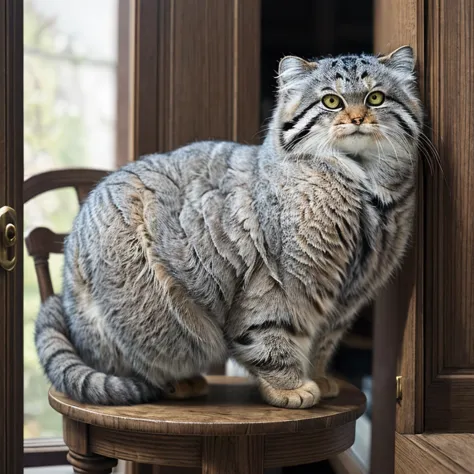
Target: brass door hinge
8	238
399	388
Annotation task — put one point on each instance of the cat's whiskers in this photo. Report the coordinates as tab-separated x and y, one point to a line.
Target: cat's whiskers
399	139
379	146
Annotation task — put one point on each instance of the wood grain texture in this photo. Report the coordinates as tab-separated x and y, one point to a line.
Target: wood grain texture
412	458
399	309
203	42
435	454
76	435
147	51
197	72
459	448
230	429
11	283
233	407
287	449
165	450
246	71
232	455
449	276
305	448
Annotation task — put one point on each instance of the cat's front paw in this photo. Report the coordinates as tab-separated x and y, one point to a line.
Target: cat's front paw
328	386
305	396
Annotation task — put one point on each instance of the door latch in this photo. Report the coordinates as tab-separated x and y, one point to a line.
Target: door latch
399	388
8	238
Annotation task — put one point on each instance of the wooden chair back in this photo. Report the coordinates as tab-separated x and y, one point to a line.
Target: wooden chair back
41	241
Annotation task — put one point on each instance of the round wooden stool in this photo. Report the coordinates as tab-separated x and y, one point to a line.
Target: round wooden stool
229	431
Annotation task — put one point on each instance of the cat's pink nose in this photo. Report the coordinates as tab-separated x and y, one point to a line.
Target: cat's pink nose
357	120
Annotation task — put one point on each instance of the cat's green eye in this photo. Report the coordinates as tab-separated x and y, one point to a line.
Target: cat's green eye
332	101
376	98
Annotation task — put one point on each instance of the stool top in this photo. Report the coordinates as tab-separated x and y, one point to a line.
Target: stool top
232	407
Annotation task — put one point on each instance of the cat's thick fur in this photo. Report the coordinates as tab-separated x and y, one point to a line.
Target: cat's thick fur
264	253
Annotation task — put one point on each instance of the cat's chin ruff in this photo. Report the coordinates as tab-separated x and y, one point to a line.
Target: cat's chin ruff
356	144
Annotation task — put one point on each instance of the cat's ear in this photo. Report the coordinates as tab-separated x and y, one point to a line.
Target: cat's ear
402	59
292	69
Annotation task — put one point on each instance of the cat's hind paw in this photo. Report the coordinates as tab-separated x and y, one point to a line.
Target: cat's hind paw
187	388
305	396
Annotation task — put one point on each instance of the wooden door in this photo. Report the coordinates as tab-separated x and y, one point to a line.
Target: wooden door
449	204
433	300
11	282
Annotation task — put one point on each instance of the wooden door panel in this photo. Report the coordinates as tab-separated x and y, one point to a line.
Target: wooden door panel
207	92
197	72
449	394
11	283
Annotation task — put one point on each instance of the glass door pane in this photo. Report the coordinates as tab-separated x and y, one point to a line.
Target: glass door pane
76	101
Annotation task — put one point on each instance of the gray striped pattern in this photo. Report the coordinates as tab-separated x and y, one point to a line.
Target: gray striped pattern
263	253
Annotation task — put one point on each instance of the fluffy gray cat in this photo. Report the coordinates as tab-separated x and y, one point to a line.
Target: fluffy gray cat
263	253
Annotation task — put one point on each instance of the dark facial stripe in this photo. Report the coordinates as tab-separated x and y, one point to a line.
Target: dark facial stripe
339	76
54	355
364	75
406	109
403	123
289	125
299	136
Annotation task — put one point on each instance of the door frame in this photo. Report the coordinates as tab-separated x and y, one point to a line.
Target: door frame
11	194
398	322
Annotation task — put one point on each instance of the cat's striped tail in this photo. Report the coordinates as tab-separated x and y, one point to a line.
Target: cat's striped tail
71	375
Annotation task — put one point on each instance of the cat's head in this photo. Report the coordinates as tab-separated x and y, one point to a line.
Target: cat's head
355	104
